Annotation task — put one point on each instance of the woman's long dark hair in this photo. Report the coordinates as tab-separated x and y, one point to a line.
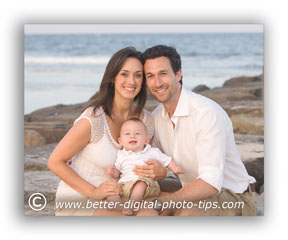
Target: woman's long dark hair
104	98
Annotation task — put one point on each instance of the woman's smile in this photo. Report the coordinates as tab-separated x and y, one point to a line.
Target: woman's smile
130	89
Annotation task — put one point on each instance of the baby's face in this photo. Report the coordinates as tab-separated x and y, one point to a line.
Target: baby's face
133	136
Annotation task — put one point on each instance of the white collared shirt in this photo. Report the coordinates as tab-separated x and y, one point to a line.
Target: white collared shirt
202	142
126	161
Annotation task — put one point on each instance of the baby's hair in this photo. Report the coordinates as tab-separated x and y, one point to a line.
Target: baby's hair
135	119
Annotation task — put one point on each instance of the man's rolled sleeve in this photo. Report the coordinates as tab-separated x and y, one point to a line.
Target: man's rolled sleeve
211	147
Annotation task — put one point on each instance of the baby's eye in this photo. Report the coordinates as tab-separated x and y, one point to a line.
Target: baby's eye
137	133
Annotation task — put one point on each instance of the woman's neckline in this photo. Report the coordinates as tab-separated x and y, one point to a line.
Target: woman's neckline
109	130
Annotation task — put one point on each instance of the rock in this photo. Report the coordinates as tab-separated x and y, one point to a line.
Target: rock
47	211
245	124
221	95
260	204
241	98
44	182
237	89
57	113
200	88
251	150
36	158
51	131
32	138
253	109
261	190
239	81
255	168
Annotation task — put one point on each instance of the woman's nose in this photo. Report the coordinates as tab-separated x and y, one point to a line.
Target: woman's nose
131	80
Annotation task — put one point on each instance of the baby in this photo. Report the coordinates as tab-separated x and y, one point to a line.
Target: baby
136	150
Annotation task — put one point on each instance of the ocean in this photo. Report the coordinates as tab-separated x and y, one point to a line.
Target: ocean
68	68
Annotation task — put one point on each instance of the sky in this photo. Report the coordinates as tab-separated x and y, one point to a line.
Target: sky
139	28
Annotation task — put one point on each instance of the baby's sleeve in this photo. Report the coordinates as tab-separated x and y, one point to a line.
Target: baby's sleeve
118	161
162	157
96	122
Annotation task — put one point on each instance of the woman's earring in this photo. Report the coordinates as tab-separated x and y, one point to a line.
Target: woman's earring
112	84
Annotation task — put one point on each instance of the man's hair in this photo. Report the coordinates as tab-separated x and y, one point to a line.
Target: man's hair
134	119
164	51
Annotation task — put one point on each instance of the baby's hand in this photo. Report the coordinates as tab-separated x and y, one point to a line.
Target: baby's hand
113	171
110	170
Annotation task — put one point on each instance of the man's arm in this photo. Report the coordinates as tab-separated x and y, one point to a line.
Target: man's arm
191	192
153	168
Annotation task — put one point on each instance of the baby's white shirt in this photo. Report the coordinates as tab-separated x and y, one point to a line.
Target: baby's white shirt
126	161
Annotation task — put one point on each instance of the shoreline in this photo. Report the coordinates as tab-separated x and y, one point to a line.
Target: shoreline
240	97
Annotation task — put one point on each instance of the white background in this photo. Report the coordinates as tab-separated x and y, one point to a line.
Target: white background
14	14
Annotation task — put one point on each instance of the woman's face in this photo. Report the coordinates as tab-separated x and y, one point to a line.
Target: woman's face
129	79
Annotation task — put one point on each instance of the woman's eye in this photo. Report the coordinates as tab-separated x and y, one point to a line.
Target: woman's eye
124	74
139	75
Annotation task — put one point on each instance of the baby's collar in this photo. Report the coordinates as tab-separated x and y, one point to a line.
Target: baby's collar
129	152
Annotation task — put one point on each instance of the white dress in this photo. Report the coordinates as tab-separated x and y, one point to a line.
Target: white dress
91	162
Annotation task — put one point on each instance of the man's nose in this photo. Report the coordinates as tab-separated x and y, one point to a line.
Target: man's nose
158	81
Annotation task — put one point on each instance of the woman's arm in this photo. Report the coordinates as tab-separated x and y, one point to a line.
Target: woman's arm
77	138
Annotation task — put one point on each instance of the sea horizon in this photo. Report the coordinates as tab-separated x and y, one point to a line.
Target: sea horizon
68	68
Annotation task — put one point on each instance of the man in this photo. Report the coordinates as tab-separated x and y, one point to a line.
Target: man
198	134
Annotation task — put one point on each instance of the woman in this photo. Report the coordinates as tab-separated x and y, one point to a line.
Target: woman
92	141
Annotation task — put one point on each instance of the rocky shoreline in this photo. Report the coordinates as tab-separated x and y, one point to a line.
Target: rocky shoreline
240	97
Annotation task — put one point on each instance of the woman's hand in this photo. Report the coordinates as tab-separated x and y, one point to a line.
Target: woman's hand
106	189
153	170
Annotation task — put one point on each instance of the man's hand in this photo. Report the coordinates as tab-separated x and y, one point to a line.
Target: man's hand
153	170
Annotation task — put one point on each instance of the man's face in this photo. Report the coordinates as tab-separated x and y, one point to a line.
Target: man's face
161	79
